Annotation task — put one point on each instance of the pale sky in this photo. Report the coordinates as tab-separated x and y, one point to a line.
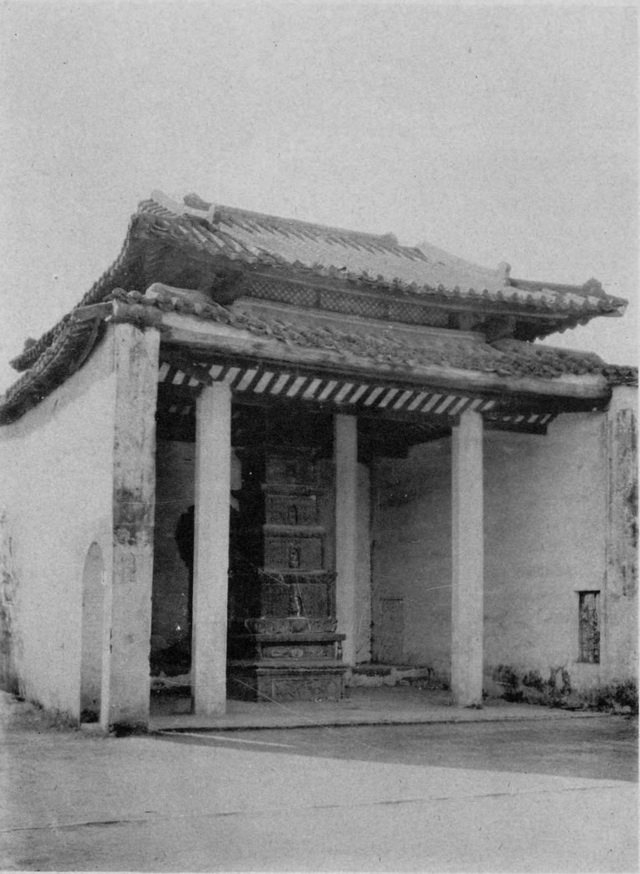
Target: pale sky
498	133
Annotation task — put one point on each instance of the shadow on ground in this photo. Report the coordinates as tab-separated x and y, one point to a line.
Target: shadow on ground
602	747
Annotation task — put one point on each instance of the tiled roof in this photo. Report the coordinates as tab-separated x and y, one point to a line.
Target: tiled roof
208	237
378	260
70	347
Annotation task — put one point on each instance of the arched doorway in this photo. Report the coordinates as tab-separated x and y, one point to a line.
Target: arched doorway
93	592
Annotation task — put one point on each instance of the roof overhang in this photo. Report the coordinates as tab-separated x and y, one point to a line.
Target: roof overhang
203	339
278	355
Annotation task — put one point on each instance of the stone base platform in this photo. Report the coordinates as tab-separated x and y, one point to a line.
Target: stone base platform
284	681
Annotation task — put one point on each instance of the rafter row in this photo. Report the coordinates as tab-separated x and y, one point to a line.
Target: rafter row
368	395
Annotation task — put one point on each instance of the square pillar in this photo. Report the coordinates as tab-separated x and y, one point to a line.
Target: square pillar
134	482
346	461
468	562
211	550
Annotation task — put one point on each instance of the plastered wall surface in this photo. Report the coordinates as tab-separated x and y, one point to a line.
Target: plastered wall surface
56	500
545	524
411	556
545	500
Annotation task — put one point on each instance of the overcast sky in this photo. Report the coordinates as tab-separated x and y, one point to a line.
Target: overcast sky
498	133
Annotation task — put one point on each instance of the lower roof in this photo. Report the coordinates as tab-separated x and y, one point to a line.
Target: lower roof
411	357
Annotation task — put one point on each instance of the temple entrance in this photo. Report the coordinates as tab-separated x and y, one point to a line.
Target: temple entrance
282	610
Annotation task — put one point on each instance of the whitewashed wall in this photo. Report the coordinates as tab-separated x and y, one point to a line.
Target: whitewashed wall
56	500
546	539
545	536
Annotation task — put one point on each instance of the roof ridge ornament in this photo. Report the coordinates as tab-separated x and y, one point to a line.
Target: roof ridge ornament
194	205
167	202
593	287
504	271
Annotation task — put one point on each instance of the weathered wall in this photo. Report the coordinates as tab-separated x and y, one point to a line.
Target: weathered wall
411	556
545	540
134	480
56	500
620	637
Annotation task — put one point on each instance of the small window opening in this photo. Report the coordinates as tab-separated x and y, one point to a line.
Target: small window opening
589	619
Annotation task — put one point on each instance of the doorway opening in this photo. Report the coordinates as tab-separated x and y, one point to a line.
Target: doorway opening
93	596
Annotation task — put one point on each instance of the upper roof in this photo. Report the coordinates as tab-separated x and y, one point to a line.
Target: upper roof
186	244
230	252
376	260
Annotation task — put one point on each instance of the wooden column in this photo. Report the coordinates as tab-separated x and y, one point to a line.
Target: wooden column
134	445
346	460
468	562
211	549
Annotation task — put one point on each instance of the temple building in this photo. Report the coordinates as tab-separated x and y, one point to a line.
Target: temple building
261	453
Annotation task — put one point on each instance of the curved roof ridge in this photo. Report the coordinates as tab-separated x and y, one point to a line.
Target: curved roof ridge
193	202
268	219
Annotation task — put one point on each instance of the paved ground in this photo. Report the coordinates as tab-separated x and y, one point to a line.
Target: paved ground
385	705
600	748
539	795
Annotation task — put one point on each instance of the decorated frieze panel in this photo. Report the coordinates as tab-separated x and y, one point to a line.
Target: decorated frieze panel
291	509
315	687
301	600
294	684
292	553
